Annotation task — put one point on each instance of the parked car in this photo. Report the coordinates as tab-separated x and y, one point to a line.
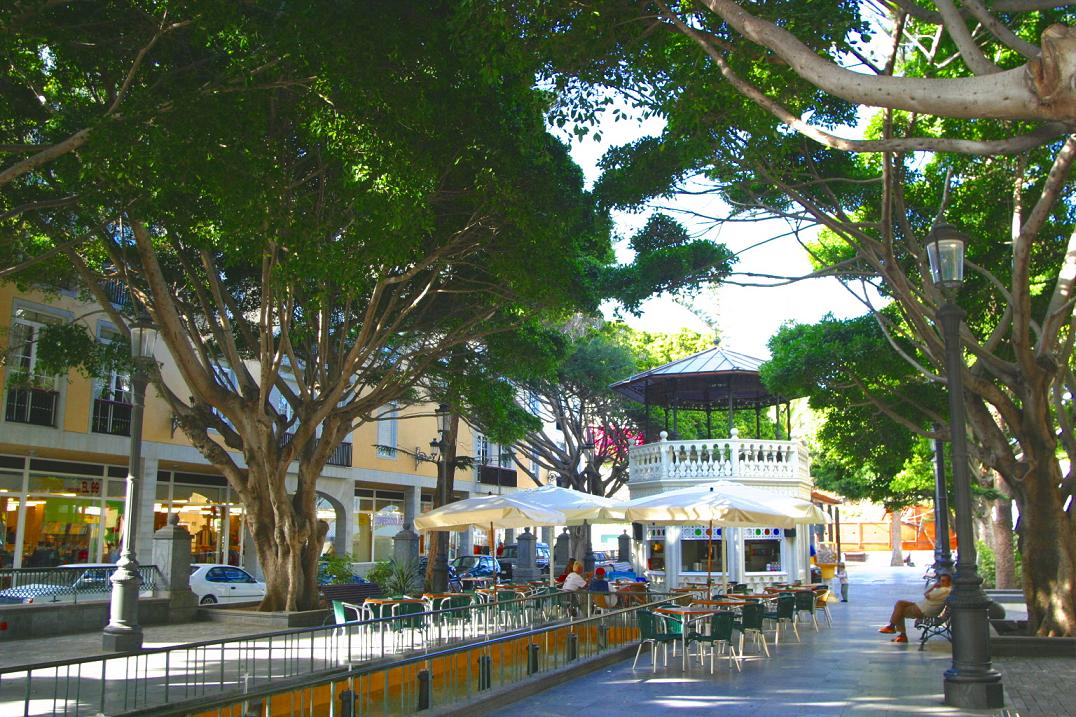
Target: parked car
509	556
454	584
476	566
76	582
603	559
214	583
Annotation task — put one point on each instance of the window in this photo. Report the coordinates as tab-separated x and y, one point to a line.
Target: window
387	420
112	398
33	398
762	556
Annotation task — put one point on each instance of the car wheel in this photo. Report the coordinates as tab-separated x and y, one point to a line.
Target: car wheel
208	600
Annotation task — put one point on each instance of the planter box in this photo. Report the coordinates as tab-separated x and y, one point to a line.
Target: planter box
246	614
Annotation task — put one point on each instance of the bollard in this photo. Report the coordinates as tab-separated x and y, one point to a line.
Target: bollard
425	689
573	647
347	704
532	659
603	636
485	672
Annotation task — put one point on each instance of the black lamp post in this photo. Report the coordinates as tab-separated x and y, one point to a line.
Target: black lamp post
438	445
123	633
588	461
943	561
971	682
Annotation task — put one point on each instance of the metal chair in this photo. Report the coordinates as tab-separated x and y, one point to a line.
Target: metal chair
783	614
751	622
651	632
720	635
805	602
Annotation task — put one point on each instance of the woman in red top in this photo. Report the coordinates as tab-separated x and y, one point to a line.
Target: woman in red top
567	570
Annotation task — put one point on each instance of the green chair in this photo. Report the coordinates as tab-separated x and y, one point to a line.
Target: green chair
784	613
805	602
740	588
340	613
750	621
652	632
720	635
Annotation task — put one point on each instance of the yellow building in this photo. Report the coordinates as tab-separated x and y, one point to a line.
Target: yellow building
64	442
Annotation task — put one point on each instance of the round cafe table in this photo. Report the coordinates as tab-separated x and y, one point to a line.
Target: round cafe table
686	615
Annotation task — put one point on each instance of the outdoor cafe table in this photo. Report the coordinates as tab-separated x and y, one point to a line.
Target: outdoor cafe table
719	603
687	615
434	598
391	603
476	582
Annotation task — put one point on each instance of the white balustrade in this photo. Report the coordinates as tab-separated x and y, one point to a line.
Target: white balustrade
717	459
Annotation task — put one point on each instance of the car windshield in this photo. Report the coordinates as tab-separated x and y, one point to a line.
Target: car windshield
465	562
509	552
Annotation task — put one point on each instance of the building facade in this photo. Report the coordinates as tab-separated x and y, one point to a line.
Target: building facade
64	442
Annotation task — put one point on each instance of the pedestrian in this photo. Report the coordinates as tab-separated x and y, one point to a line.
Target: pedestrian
842	578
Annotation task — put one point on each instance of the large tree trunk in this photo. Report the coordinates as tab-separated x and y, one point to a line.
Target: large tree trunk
897	558
446	480
288	538
1004	559
1049	551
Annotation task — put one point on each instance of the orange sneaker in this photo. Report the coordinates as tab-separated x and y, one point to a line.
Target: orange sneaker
888	629
900	638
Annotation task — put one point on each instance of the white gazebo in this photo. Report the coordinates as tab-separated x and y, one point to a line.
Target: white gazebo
725	381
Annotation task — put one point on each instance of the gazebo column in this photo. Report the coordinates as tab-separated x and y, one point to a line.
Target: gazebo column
673	556
732	410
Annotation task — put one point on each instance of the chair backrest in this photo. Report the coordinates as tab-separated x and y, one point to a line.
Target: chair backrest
786	606
647	624
339	613
409	608
740	588
804	600
751	616
821	596
721	626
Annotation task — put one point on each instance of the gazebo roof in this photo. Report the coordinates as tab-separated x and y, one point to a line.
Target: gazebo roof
714	378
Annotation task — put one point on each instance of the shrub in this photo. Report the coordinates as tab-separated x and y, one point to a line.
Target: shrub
402	579
335	570
380	573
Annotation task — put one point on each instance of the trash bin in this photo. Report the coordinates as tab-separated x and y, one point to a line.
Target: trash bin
828	570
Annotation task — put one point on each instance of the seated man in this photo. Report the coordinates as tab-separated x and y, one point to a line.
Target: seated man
575	580
598	583
931	605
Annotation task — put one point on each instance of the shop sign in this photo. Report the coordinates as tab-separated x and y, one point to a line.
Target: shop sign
86	486
387	521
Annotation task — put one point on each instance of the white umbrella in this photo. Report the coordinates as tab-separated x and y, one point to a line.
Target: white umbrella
722	503
578	507
502	511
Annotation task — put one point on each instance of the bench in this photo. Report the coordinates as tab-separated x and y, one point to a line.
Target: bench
350	592
930	626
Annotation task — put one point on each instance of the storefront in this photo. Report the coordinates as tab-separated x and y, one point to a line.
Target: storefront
207	510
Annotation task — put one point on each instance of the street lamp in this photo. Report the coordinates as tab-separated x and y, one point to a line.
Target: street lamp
971	682
588	461
943	561
123	633
437	447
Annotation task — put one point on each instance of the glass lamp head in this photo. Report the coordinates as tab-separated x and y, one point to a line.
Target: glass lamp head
143	338
945	252
443	413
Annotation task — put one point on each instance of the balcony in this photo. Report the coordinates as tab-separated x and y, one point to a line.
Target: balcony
681	463
494	475
341	455
36	406
111	417
117	292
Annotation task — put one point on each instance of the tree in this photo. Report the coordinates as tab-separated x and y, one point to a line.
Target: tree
753	98
309	250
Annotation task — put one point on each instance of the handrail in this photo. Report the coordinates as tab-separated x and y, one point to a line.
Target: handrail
356	671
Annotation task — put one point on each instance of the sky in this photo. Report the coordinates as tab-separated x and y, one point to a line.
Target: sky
748	316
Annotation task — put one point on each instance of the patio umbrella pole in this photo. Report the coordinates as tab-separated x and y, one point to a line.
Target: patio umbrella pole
709	559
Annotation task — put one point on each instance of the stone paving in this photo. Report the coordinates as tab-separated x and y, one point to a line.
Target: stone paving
848	669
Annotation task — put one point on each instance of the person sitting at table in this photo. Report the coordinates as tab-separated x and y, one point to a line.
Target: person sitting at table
575	581
598	583
931	605
567	570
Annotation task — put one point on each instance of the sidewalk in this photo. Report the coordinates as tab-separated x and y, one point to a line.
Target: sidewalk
848	669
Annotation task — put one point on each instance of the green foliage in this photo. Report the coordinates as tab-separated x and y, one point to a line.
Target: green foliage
987	564
337	568
400	579
380	572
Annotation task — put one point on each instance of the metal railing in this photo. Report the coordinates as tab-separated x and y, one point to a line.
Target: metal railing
67	584
434	678
340	456
112	417
221	668
36	406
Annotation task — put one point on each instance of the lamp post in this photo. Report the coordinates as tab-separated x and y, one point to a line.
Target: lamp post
943	561
438	445
588	460
970	682
123	633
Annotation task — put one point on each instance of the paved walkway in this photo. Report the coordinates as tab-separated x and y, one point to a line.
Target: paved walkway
848	669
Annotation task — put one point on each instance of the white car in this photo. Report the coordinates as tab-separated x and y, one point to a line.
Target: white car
214	583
